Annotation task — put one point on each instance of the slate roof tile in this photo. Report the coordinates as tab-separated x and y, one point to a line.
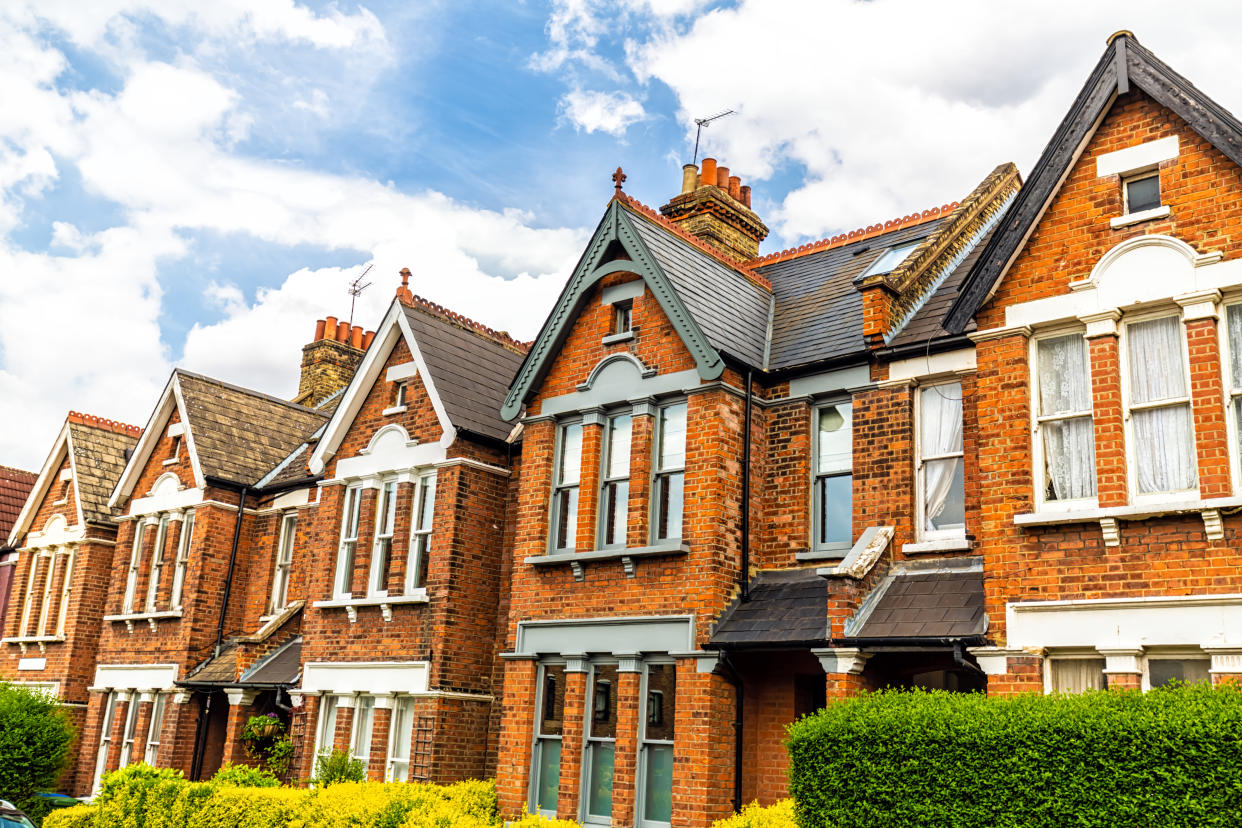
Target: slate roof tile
99	456
784	606
945	604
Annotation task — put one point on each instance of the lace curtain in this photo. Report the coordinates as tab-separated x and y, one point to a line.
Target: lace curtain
1077	675
940	415
1163	439
1069	443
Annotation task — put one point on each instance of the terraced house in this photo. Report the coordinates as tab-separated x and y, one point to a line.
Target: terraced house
992	445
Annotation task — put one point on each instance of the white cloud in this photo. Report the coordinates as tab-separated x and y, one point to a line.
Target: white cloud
610	112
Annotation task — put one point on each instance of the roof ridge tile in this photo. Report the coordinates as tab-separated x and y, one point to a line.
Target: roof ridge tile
19	473
114	426
448	315
858	234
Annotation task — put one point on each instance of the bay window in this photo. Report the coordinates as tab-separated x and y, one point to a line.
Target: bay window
549	725
1161	435
833	490
326	734
668	492
349	542
45	605
1064	427
420	531
655	762
941	479
401	733
615	496
1169	670
600	745
284	562
360	744
568	473
381	548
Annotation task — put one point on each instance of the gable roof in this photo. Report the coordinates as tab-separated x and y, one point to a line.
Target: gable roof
1123	63
15	486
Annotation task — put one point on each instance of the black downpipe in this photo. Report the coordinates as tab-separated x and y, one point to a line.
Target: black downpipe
745	575
228	579
959	657
739	698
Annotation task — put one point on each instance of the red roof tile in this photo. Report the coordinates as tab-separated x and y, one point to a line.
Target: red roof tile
15	486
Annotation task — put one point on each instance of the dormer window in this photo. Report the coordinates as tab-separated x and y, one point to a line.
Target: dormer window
1142	192
892	258
623	317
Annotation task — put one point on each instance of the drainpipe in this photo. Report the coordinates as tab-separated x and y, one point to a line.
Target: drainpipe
745	574
739	698
228	579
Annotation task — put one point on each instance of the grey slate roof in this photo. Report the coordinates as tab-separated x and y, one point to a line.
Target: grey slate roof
281	666
221	669
785	606
99	458
731	310
943	604
818	310
471	371
240	435
928	321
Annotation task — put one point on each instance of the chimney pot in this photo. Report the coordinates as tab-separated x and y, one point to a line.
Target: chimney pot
329	328
735	187
746	195
689	178
355	336
342	332
319	326
709	172
366	340
722	177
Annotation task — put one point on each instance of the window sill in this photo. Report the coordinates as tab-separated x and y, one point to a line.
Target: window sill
625	556
396	409
1139	217
938	545
613	339
831	553
384	602
26	641
1107	517
169	461
150	617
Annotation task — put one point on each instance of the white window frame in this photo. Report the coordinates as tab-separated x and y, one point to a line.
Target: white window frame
421	531
640	780
659	472
1123	360
559	486
402	719
1089	655
152	748
591	743
184	538
606	481
382	542
1139	175
347	550
71	553
135	560
1173	654
284	562
129	731
816	476
920	499
111	700
1039	472
1231	393
157	562
28	599
45	604
325	727
539	739
362	730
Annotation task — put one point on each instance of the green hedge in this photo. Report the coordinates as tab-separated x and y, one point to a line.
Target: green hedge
894	758
35	741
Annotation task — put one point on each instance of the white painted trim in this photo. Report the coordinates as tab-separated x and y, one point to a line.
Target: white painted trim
181	499
1038	470
169	399
961	361
404	371
290	499
345	678
390	450
43	485
135	676
1136	158
1126	623
55	533
1139	217
176	429
471	463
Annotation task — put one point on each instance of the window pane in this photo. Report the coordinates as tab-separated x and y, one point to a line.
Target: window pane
604	703
387	509
427	502
1076	675
566	518
1063	386
658	787
1233	316
890	259
1157	371
599	798
619	433
327	724
834	443
940	415
1069	458
661	692
1143	194
616	508
835	508
552	712
944	489
548	785
673	436
571	454
362	729
1164	449
669	496
1165	671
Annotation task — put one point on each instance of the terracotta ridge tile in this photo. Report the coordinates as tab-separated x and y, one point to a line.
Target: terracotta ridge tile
11	473
912	220
104	423
500	337
740	265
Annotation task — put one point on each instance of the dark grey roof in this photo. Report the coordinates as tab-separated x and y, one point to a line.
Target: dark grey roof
281	666
943	604
1123	62
785	607
220	669
928	321
99	458
290	470
819	312
240	435
730	309
471	371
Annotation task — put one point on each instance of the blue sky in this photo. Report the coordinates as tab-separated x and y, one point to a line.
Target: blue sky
194	184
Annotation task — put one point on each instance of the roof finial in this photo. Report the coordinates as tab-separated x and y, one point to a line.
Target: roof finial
618	179
403	292
1120	33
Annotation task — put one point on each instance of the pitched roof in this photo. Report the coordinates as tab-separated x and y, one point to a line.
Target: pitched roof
1123	63
938	603
15	486
470	364
281	666
786	607
240	435
99	455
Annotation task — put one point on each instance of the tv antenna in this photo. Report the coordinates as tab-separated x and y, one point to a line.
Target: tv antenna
356	287
702	122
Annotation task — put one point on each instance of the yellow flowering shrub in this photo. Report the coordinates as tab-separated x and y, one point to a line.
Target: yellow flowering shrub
79	816
537	821
754	815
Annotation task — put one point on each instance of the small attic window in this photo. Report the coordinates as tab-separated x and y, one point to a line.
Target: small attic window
175	451
623	317
1142	192
398	394
63	495
891	258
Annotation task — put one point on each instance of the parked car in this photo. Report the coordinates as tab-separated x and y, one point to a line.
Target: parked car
11	817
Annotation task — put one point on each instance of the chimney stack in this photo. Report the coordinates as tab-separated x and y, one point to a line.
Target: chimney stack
329	361
714	206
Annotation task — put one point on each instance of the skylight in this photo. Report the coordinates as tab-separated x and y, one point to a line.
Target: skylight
891	258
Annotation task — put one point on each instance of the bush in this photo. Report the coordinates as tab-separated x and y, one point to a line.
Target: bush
79	816
901	758
244	776
337	766
537	821
754	815
35	738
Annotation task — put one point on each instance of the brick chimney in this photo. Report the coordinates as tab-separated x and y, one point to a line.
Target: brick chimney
329	361
714	206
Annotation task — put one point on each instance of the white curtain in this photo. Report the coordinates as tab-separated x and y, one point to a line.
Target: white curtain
940	433
1163	438
1069	444
1077	675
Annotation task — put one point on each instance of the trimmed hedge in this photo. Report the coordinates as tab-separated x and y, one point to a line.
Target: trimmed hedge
908	758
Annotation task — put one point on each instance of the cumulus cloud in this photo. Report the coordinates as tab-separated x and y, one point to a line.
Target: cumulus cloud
610	112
